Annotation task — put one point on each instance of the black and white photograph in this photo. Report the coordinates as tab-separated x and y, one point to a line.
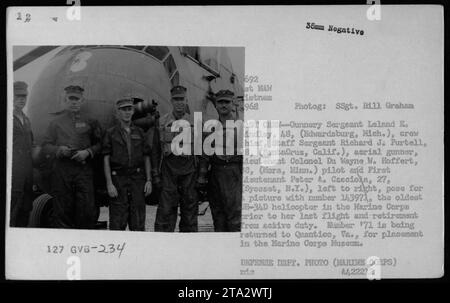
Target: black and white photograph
92	139
225	143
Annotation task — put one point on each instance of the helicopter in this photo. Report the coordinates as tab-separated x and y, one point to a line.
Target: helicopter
108	72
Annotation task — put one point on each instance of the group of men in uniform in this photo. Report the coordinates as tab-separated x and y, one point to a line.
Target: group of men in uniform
134	163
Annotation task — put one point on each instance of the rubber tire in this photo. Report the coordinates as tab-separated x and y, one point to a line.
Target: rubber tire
40	208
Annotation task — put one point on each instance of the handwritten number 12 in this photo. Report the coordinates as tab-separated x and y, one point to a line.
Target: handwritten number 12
27	17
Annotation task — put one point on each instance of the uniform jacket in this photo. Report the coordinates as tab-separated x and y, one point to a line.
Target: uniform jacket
122	155
231	136
166	135
22	165
163	139
77	133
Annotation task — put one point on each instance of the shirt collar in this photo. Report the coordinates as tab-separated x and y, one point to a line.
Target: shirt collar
132	127
73	116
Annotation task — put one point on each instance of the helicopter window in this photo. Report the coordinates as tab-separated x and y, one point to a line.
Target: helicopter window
210	57
159	52
136	47
211	62
192	52
170	66
175	79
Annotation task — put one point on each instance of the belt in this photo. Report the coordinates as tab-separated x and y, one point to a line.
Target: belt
232	160
171	155
72	161
126	171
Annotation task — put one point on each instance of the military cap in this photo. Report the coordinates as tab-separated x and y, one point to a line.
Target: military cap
20	88
124	101
74	86
178	91
224	94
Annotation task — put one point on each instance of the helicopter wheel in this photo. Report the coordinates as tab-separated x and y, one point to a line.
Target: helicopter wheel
42	211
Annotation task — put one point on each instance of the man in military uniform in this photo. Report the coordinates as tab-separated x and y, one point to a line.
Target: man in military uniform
73	139
127	170
178	173
22	167
225	181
